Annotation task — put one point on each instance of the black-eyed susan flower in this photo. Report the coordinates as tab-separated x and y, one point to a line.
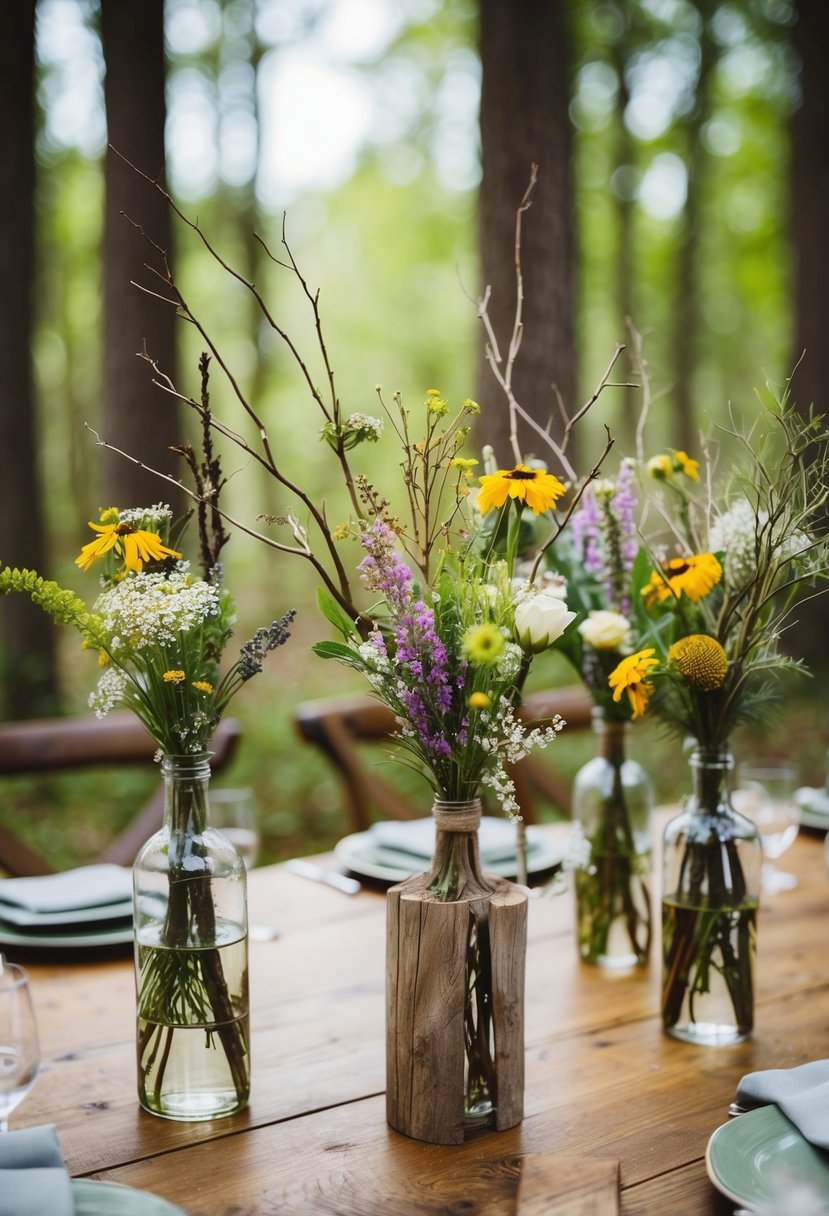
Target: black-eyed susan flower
693	576
135	545
483	644
535	487
687	465
700	660
630	676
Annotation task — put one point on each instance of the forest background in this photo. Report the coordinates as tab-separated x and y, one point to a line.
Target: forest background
683	152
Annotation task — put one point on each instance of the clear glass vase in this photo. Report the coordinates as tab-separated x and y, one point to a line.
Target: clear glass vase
456	873
612	800
191	957
712	864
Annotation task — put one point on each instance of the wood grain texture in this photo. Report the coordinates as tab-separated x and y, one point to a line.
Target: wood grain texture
568	1186
601	1079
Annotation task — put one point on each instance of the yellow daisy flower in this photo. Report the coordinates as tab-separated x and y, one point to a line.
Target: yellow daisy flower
174	676
660	467
630	676
687	465
693	576
538	489
134	544
483	643
701	660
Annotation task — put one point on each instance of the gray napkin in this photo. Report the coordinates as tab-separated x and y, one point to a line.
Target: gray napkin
87	887
496	838
801	1093
33	1180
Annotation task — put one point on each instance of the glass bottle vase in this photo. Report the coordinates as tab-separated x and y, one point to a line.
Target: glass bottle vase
711	867
612	800
191	957
455	873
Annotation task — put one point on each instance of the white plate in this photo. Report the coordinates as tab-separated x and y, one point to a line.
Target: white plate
81	939
759	1159
111	1199
361	854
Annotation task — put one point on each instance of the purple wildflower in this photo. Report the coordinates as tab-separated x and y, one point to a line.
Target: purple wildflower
586	532
625	503
383	569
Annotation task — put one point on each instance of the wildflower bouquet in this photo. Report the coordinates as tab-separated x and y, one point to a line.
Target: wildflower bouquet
160	634
713	602
612	794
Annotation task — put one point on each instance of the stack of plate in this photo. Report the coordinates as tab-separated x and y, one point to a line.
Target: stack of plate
393	850
87	907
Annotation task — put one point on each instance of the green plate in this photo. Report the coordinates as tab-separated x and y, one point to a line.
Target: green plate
111	1199
760	1158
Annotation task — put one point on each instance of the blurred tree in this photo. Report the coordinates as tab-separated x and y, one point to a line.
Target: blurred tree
135	416
525	96
28	643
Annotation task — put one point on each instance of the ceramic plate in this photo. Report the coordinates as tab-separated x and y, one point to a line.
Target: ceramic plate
26	918
79	939
759	1158
112	1199
362	855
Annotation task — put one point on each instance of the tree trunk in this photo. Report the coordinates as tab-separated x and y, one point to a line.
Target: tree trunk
525	95
810	242
136	417
28	638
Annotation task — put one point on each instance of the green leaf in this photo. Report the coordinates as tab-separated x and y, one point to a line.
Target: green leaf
340	652
332	612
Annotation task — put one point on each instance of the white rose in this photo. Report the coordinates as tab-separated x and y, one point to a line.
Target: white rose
604	630
540	619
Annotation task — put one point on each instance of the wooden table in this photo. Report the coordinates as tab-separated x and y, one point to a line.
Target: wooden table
602	1080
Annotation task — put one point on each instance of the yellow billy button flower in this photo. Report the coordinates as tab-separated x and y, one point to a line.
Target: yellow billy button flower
693	576
174	676
134	544
687	465
700	660
535	487
202	685
630	676
483	644
479	700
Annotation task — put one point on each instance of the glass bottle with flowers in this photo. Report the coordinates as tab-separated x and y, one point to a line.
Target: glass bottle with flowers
160	634
612	793
716	610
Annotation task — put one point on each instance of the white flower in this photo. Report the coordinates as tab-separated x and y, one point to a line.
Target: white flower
150	609
540	620
605	630
363	424
734	534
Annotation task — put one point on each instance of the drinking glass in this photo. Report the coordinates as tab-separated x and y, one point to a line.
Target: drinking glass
766	796
19	1049
233	812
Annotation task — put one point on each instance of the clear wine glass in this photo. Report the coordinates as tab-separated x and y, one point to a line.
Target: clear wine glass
19	1049
766	796
233	812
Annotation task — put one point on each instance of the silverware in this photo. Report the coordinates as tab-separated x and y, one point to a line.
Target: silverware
330	878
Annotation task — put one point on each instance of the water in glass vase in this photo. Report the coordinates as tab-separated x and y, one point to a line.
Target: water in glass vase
708	993
193	1030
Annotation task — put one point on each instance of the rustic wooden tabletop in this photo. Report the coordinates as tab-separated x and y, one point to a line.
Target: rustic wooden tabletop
602	1080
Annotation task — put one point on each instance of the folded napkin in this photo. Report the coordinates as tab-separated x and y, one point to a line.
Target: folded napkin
496	838
33	1180
86	887
801	1093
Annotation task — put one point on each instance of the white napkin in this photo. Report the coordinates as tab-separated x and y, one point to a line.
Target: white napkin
86	887
801	1093
496	837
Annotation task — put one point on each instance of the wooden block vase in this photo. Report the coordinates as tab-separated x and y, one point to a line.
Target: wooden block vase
455	964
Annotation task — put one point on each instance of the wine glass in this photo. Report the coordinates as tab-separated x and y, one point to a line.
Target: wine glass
233	812
19	1050
767	798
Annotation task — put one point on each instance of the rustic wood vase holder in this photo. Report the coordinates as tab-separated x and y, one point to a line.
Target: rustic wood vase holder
427	941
